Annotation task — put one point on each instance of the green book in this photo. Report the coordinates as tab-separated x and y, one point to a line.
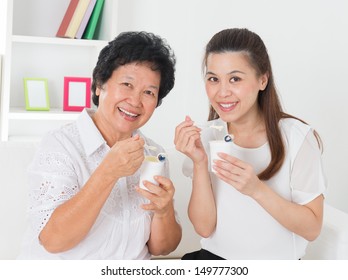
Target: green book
93	21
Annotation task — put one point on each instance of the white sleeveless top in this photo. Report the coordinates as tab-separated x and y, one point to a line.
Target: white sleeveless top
244	230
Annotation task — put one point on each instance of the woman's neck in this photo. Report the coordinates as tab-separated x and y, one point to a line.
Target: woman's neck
250	133
110	135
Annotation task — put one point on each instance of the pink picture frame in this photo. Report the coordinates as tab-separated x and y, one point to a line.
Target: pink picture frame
77	93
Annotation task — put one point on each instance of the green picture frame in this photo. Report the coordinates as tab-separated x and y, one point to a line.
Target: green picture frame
36	94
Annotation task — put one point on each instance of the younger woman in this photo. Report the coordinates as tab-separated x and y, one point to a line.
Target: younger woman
265	199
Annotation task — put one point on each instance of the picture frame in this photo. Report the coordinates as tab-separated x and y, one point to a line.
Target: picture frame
77	93
36	94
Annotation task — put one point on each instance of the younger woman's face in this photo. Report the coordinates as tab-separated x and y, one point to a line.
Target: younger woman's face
232	86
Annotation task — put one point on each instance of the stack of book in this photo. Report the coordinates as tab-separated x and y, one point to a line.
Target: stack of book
80	19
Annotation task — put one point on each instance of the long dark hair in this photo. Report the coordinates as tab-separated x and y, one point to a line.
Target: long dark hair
243	40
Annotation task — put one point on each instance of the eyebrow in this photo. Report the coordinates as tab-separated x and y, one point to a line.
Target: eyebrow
132	79
154	87
232	72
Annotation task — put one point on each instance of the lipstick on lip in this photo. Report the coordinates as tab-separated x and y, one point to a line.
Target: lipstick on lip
224	106
128	112
128	115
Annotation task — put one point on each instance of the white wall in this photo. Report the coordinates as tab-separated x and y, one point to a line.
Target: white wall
3	9
308	46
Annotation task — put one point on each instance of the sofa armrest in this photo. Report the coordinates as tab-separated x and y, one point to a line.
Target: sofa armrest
332	243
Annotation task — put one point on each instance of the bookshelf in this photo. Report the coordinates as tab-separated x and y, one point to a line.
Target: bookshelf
33	50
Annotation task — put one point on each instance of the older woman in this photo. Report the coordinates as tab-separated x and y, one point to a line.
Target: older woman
85	200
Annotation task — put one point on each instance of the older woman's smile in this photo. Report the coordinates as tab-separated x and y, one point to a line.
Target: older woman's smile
128	114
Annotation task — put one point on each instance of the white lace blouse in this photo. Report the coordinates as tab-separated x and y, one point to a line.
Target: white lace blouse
244	229
64	162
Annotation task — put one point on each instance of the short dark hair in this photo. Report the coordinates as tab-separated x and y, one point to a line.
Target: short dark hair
130	47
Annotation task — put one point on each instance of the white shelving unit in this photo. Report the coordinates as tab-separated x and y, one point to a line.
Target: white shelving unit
33	51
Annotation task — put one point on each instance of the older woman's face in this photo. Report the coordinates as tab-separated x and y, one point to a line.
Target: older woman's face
128	99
